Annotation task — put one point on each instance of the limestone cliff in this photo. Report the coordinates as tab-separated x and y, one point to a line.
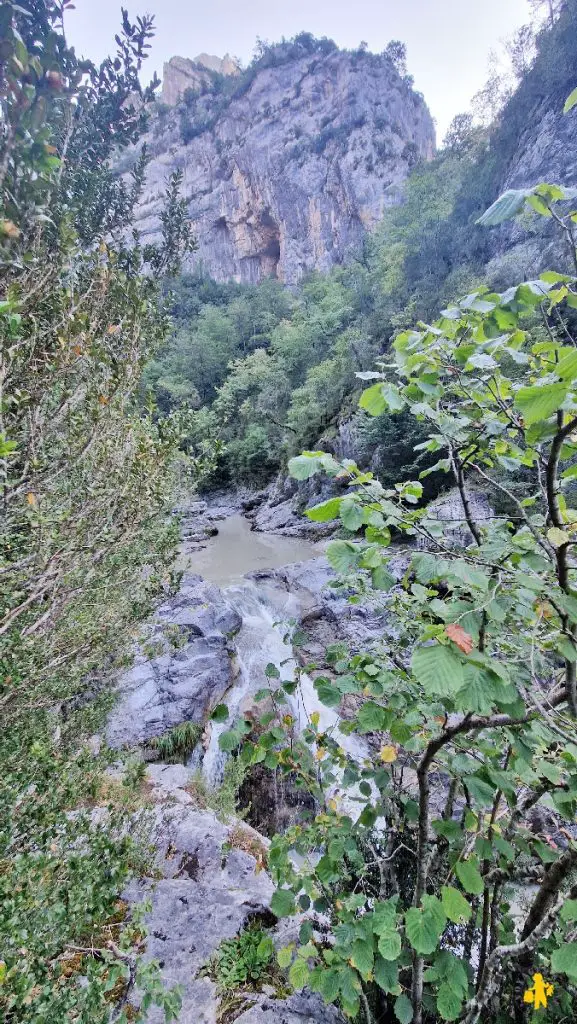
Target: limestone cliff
535	141
180	74
289	163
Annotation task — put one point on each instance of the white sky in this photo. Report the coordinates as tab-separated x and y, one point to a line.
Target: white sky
448	41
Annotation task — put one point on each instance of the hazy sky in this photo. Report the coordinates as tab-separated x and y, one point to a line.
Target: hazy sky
448	41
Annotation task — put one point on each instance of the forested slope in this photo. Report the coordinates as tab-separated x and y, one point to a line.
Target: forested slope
271	371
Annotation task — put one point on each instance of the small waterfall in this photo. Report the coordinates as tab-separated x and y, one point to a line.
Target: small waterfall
260	641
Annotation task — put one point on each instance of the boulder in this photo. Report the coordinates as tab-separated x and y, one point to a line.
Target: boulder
209	891
185	680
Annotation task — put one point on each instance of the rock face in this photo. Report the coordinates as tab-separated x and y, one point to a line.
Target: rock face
209	889
285	171
535	143
180	74
183	682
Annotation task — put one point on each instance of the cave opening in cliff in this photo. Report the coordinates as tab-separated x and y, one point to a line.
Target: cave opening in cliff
270	243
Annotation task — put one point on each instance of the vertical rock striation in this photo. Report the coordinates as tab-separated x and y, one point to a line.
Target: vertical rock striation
287	166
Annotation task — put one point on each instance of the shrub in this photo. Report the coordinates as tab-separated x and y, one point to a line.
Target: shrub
473	697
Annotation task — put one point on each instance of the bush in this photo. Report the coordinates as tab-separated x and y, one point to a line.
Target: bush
473	697
86	484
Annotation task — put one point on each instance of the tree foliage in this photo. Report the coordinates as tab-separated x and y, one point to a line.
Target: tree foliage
447	864
86	485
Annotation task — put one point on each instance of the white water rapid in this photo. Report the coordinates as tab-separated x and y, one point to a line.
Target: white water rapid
266	613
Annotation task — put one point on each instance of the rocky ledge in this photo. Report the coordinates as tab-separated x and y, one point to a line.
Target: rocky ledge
190	669
208	885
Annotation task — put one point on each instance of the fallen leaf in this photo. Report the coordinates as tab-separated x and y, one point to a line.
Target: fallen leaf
31	499
388	754
460	637
8	227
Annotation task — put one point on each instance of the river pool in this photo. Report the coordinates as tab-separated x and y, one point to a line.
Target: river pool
237	549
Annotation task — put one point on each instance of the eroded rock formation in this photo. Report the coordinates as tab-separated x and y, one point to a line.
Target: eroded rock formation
287	167
180	74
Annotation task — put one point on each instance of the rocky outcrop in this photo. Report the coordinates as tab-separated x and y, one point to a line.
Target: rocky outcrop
287	169
535	141
190	674
180	74
207	888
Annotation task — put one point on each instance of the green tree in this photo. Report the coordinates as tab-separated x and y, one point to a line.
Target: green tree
474	700
86	485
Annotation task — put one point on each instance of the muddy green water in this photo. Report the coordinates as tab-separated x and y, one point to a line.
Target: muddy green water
236	550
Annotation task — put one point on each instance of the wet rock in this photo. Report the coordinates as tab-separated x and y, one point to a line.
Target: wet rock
303	1008
186	679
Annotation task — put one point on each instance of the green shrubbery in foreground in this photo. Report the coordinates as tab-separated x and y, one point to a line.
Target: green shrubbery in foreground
453	895
85	488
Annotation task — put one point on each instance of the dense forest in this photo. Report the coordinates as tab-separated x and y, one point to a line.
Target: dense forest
270	370
428	872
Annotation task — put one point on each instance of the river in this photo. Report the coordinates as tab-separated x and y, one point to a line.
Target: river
237	550
266	612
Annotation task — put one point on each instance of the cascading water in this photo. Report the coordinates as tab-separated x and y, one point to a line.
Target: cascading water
260	641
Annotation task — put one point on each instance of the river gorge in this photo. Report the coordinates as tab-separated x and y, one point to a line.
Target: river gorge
241	596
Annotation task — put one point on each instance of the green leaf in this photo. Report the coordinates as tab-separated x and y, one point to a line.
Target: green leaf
455	905
362	957
570	102
352	515
328	985
424	925
539	403
468	874
372	718
285	955
282	903
220	713
342	555
568	912
438	670
508	205
403	1009
557	537
265	948
302	467
477	693
564	960
381	578
448	1003
386	976
480	790
389	945
299	974
372	400
324	512
328	695
539	205
229	740
380	398
566	368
